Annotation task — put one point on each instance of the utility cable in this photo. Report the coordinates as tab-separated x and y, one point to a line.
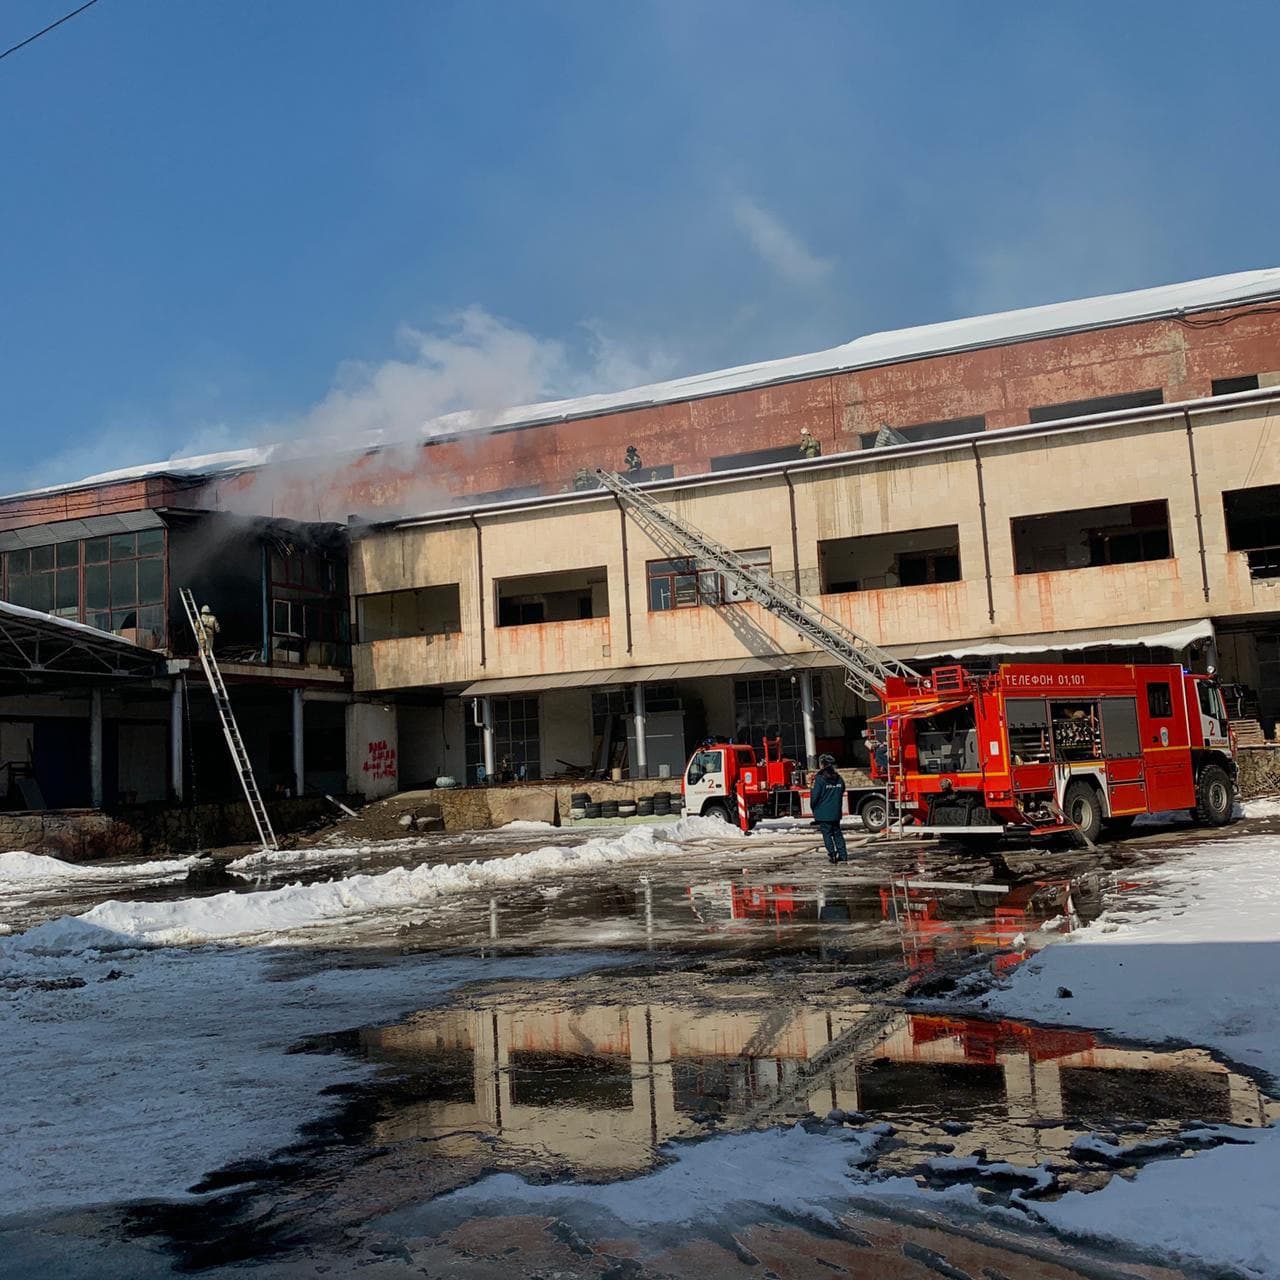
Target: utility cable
22	44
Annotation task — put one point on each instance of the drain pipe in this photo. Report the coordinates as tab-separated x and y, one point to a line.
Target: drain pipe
482	717
795	537
1195	493
480	581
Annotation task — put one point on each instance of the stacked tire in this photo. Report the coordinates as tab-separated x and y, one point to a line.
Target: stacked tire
626	808
608	808
662	803
644	807
578	803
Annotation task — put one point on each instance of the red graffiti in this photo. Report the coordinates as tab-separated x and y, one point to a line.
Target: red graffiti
380	760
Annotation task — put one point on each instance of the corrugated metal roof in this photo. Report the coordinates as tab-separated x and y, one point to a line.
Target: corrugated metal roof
42	535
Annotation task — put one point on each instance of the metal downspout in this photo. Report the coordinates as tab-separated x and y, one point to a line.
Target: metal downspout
1195	491
480	581
795	537
986	543
626	567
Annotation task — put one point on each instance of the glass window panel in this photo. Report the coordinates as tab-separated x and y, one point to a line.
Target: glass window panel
97	594
68	555
124	546
150	581
124	619
151	542
95	550
19	562
659	593
100	620
686	589
20	590
41	592
67	595
41	559
124	583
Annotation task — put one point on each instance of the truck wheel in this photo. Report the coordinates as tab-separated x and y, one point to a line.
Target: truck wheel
1081	805
716	809
874	813
1214	796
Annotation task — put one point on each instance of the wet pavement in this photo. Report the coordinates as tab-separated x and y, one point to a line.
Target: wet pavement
755	986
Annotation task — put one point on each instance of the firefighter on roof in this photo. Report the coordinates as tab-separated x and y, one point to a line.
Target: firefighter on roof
809	447
632	458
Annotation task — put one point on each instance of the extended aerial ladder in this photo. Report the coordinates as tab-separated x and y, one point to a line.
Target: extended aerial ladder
866	666
230	730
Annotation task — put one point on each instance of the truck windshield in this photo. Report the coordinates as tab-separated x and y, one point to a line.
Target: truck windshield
705	762
948	742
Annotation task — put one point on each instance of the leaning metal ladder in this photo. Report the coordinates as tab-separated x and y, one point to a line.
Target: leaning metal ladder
230	730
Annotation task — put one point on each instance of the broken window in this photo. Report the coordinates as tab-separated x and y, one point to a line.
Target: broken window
569	596
1124	534
913	558
1226	386
939	430
310	624
757	457
1253	526
1098	404
517	741
685	584
421	611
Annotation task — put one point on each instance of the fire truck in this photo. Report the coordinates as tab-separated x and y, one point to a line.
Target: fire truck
1030	750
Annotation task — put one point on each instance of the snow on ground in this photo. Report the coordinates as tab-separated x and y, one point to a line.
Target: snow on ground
141	1071
271	912
1202	967
35	871
1264	807
267	861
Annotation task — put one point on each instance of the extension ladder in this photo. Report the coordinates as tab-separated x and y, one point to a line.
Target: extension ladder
230	730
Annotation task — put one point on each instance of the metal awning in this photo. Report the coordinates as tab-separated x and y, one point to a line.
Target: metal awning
39	651
1158	635
663	674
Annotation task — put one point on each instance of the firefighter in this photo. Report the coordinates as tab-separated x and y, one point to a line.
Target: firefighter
809	447
583	479
632	458
209	628
827	801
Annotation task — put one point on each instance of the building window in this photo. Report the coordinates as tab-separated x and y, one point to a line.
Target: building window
1098	404
939	430
1253	526
517	745
114	583
421	611
1227	386
686	584
875	562
310	625
570	596
1124	534
773	702
757	457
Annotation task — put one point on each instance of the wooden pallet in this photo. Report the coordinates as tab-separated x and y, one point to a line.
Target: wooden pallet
1248	733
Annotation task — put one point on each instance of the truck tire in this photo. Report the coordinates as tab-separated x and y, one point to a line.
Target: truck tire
1215	796
716	809
874	813
1082	806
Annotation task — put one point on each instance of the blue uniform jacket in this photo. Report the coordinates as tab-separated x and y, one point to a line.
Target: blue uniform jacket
827	797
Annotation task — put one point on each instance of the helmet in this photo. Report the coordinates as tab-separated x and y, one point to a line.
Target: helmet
826	762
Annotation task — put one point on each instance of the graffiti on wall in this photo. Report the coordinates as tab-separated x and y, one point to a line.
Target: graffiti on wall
380	760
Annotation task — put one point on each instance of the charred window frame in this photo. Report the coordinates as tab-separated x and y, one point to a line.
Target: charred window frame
683	583
310	622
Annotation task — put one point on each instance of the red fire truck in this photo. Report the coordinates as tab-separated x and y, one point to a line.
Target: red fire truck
1040	749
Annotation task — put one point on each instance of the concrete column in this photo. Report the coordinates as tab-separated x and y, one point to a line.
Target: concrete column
806	714
95	749
642	747
486	737
177	773
299	756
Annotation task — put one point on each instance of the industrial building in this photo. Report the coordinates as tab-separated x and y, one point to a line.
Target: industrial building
1099	476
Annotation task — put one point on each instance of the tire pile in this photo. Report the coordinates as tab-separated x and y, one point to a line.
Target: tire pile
660	804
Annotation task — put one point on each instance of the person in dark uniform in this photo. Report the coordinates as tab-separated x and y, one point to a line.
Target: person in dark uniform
827	801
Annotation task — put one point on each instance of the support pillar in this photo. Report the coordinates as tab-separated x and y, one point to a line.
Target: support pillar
642	746
486	737
95	749
806	715
299	756
177	772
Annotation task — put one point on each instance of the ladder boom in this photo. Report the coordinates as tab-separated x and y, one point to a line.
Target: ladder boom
866	666
230	729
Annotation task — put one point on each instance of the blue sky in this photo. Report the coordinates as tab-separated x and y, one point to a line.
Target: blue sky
229	220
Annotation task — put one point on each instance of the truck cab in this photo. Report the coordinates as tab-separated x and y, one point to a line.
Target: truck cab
711	777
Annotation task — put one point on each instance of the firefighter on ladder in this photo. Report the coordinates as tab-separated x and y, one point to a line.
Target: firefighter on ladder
827	802
209	628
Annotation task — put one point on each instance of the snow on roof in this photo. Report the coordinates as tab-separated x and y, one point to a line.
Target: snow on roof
891	346
81	630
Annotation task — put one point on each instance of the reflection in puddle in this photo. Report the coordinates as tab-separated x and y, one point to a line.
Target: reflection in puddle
594	1088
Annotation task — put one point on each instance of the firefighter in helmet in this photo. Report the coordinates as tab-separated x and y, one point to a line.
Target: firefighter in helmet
809	447
827	801
632	458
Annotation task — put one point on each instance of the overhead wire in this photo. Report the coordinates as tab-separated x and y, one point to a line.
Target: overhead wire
44	31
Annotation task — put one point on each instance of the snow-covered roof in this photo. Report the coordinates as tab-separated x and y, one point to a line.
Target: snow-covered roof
869	351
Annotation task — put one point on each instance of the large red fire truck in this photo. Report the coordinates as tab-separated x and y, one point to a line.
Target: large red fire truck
1033	750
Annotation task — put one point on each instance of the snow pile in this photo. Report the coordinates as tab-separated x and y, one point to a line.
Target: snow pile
1264	807
24	874
526	824
244	916
1202	966
264	861
783	1170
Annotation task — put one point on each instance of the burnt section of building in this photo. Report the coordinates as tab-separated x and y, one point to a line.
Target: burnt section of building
1092	537
913	558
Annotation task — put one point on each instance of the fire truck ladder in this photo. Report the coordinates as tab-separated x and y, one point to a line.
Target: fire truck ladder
866	667
230	730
